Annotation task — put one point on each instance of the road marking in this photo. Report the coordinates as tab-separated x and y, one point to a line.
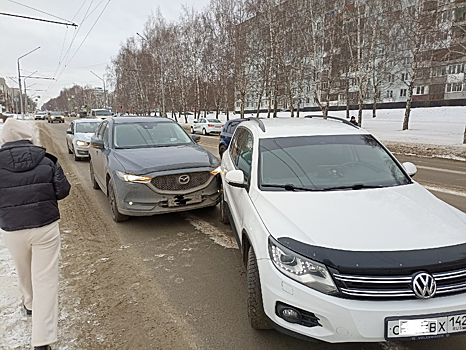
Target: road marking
441	170
214	233
444	190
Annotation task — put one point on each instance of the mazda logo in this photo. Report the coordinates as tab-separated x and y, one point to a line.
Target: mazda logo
184	179
424	286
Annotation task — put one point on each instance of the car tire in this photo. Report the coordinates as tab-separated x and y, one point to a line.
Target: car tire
204	132
221	150
69	150
256	314
48	121
116	215
192	130
223	211
94	183
76	158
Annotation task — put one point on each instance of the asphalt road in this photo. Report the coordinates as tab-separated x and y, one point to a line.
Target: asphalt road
206	282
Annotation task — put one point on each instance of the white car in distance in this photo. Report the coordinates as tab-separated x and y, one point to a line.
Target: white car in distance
100	113
78	137
340	244
206	126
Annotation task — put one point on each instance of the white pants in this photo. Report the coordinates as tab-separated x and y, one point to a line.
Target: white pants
35	254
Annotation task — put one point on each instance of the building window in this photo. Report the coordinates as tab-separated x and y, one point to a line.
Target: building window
389	93
403	93
454	87
419	90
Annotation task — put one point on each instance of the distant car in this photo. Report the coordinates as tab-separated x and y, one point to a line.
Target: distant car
227	133
55	117
150	165
73	114
40	116
65	114
82	114
206	126
100	113
78	137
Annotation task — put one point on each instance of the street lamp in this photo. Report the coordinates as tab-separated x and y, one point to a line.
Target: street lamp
161	75
105	92
19	80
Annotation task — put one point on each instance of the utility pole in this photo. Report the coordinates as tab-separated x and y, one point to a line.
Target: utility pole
31	77
19	80
161	75
105	91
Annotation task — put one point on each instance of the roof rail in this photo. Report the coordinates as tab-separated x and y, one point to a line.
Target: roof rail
258	121
344	121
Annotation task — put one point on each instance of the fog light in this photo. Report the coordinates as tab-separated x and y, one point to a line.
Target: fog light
291	315
130	203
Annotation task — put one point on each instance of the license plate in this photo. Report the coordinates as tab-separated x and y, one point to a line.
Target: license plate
424	327
184	200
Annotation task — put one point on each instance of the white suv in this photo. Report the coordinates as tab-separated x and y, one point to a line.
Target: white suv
340	244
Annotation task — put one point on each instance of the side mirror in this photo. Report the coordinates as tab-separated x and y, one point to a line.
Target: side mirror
235	178
410	168
97	143
196	138
194	121
69	132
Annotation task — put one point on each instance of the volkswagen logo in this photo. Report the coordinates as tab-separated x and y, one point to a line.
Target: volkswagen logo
424	285
183	179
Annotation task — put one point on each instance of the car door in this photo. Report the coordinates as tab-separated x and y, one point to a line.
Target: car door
201	124
99	160
240	157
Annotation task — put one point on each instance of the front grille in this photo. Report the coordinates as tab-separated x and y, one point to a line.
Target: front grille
397	287
171	182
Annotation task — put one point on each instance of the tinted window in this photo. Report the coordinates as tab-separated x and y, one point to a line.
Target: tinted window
234	145
105	135
213	121
87	127
102	113
244	159
322	162
153	134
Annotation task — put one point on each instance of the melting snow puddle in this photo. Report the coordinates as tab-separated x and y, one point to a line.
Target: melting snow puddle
214	233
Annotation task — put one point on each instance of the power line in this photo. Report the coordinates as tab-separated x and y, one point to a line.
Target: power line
32	8
37	19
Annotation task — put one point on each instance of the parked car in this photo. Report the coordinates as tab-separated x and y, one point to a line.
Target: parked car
340	244
78	137
150	165
227	133
40	116
55	117
206	126
100	113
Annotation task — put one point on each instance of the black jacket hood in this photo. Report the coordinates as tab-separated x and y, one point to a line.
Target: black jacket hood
19	156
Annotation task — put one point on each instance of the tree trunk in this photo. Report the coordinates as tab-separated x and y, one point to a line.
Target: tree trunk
464	136
408	105
374	106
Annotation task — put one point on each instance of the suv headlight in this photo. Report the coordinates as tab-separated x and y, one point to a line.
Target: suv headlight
82	143
133	178
303	270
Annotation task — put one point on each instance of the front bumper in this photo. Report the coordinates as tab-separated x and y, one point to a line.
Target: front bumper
81	151
136	199
341	320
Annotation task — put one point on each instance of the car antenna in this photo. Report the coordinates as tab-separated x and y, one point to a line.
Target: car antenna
258	121
344	121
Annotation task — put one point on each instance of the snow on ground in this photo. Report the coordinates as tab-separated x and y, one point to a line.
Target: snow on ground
433	126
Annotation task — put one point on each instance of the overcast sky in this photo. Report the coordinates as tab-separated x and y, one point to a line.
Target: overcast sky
120	20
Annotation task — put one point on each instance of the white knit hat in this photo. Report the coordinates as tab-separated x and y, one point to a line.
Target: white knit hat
15	130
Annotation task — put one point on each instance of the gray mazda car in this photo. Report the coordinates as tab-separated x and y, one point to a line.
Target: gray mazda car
150	165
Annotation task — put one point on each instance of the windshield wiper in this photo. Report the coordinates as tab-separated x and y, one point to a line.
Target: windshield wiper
350	187
289	187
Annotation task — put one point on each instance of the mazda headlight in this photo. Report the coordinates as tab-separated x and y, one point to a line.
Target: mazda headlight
303	270
133	178
218	170
82	143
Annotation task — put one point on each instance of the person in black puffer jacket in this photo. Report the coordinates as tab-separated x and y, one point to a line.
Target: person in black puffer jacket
31	183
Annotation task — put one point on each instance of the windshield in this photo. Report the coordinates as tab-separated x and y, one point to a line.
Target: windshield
89	128
152	134
103	113
327	163
213	121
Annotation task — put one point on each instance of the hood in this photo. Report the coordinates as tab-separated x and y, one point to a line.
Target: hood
389	219
15	130
143	161
83	136
20	156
